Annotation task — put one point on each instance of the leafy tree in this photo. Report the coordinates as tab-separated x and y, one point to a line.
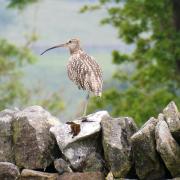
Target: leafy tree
154	29
20	4
12	59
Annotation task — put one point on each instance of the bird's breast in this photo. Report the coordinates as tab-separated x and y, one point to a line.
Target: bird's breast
85	73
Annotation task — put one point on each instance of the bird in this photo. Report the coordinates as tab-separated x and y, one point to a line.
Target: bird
82	69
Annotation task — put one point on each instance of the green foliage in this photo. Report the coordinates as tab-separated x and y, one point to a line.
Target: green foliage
89	8
12	59
20	4
54	103
13	93
155	79
50	101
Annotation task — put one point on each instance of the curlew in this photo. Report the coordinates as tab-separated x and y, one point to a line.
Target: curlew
82	69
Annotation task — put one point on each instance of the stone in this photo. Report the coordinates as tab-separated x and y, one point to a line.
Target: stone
173	120
6	143
82	176
62	166
8	171
33	143
94	162
76	148
126	179
147	161
168	148
110	176
116	133
28	174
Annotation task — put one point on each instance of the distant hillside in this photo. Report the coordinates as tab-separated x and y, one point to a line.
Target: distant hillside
55	22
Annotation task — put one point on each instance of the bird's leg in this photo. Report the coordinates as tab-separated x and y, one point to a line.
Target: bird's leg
85	118
86	104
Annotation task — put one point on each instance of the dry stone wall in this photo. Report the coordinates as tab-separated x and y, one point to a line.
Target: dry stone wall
36	145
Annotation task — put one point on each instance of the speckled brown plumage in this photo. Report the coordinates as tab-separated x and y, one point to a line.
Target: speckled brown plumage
84	71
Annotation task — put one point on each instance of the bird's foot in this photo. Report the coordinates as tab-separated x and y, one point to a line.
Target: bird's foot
85	119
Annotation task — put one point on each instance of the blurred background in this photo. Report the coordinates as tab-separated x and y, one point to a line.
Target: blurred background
135	42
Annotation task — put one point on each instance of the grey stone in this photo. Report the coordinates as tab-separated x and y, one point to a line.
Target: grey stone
6	149
173	119
28	174
147	161
94	162
82	176
62	166
125	179
116	135
77	148
8	171
110	176
33	143
168	148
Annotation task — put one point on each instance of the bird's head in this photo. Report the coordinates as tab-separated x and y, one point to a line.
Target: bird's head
72	44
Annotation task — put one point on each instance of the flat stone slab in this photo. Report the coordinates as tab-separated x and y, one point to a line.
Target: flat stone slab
33	143
116	133
168	148
28	174
172	118
8	171
6	138
82	176
147	162
92	126
78	148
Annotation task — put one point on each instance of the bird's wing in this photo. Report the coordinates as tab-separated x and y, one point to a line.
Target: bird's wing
77	71
96	76
84	71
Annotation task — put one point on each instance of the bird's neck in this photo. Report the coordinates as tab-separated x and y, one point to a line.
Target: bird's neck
75	50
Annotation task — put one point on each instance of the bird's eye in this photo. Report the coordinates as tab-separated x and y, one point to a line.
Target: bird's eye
70	41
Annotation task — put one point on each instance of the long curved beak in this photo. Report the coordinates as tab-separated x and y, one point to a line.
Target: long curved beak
61	45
